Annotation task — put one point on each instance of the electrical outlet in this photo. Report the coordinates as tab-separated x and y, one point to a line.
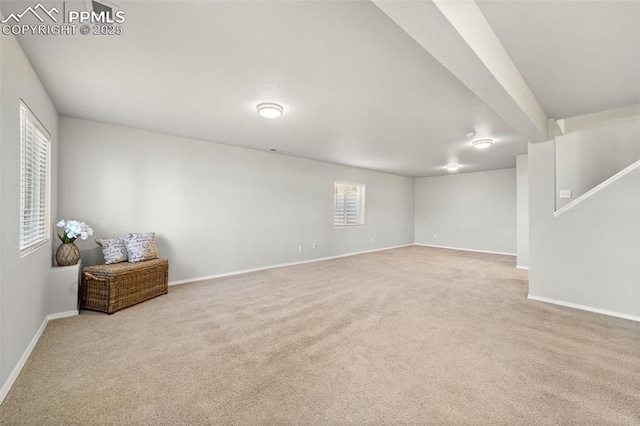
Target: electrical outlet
300	249
565	193
373	239
435	237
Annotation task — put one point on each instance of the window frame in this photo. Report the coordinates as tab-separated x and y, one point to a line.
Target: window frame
43	238
361	204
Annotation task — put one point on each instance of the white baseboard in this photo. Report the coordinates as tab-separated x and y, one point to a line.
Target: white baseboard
281	265
23	359
522	267
27	353
62	315
584	308
465	249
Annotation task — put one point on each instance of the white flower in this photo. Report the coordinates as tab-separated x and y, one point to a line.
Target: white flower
74	229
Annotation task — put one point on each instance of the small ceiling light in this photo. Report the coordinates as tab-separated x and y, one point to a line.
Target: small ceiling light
452	167
270	110
482	143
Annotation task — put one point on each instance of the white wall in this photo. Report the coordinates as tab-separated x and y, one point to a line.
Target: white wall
217	208
23	281
589	255
475	211
594	148
522	172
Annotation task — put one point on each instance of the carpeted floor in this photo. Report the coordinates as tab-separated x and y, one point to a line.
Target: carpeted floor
408	336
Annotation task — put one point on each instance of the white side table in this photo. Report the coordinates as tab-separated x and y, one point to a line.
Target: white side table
63	290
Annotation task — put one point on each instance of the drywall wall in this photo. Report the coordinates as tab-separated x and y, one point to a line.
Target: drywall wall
588	255
217	208
522	179
594	148
23	281
473	211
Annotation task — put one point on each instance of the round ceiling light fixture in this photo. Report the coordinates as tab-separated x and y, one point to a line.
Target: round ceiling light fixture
482	143
270	110
452	167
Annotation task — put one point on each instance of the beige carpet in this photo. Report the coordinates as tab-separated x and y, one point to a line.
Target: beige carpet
408	336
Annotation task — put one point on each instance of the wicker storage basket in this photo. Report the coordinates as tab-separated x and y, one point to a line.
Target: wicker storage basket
109	288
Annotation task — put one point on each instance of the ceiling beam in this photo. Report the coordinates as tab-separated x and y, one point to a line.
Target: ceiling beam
456	33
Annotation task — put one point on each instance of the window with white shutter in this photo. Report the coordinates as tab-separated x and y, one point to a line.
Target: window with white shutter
35	158
348	205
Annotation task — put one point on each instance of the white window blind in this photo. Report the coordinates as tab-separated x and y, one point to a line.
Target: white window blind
348	204
34	180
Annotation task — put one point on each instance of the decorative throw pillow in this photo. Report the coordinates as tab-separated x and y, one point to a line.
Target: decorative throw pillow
113	249
141	247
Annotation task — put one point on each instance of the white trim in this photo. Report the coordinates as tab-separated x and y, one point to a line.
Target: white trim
28	250
62	315
348	183
597	188
25	356
6	387
465	249
584	308
281	265
526	268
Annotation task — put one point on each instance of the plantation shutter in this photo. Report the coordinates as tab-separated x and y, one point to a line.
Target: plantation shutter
348	204
34	180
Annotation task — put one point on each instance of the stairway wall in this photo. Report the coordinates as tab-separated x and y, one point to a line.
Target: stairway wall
589	256
594	148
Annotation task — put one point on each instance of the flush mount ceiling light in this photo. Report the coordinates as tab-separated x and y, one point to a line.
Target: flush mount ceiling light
270	110
452	167
482	143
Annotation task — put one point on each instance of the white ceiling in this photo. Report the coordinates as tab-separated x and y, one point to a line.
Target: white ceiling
357	90
578	57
